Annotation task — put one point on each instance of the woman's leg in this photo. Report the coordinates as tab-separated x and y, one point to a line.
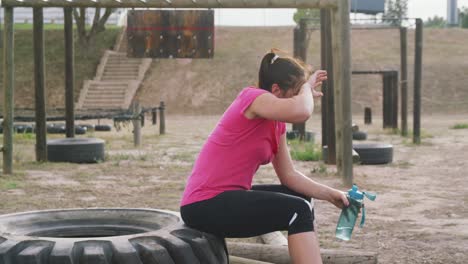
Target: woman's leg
249	213
303	247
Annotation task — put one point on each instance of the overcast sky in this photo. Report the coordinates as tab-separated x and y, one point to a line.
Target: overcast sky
272	17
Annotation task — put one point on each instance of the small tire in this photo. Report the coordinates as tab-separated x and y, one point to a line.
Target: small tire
359	135
106	235
56	129
105	128
75	150
374	153
79	130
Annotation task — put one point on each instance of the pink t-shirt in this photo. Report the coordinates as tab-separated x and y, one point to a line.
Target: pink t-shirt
234	151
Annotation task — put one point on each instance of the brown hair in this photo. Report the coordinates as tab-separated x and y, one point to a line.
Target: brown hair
288	72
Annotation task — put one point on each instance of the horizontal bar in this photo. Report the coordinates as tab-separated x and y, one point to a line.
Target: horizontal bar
175	3
375	72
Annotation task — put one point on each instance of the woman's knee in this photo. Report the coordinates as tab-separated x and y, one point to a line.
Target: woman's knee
302	219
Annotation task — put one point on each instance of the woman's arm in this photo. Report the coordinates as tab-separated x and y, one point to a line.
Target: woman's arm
298	182
295	109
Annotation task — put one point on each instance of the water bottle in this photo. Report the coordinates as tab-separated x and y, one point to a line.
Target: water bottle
349	214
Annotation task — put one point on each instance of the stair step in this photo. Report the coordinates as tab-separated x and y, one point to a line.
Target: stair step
111	96
104	78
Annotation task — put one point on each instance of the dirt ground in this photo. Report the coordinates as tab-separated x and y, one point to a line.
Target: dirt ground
420	215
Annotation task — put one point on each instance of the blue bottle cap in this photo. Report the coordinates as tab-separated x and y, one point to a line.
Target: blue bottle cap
354	193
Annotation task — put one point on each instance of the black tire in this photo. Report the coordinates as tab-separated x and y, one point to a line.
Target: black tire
102	128
374	153
22	129
359	135
75	150
79	130
56	129
108	235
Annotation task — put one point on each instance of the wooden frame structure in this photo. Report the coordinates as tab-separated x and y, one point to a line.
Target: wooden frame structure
340	47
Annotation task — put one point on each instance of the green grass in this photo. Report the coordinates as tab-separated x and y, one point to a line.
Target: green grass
460	126
86	61
304	151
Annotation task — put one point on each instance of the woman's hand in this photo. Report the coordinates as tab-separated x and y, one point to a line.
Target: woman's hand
339	199
316	81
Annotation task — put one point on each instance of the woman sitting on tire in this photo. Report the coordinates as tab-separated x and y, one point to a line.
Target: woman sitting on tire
219	198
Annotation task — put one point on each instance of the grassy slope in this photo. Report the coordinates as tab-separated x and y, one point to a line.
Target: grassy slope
208	86
86	62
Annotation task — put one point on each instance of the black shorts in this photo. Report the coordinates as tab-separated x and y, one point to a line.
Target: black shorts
242	213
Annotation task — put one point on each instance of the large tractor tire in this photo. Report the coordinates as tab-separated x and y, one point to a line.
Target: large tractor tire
75	150
374	153
108	236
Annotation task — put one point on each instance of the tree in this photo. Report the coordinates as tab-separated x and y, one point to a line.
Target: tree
313	16
435	22
396	12
464	17
86	37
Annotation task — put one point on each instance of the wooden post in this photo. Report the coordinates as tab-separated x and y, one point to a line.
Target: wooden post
367	116
342	89
162	119
404	80
300	51
154	116
142	116
8	86
136	124
387	100
323	59
328	112
69	73
39	85
417	82
395	99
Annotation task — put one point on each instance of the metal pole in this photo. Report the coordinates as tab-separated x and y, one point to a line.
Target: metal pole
417	82
8	84
69	73
404	80
39	85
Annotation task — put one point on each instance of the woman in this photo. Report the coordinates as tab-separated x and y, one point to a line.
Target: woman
219	198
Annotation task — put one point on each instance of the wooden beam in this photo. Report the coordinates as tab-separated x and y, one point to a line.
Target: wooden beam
341	48
8	85
239	260
39	85
176	3
280	254
69	73
417	82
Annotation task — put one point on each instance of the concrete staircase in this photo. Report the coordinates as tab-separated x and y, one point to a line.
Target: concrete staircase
117	80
